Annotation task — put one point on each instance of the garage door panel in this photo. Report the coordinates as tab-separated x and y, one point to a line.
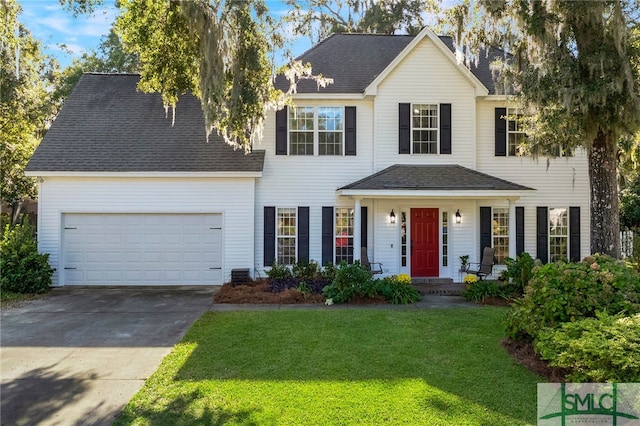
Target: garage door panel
139	249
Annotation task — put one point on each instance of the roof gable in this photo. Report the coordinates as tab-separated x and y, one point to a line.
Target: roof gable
357	62
106	125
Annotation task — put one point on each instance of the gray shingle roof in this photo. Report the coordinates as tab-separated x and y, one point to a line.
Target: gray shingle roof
106	125
355	60
433	177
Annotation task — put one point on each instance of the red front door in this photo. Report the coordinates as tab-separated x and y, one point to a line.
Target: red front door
425	243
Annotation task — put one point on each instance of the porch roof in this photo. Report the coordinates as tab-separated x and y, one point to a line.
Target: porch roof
433	181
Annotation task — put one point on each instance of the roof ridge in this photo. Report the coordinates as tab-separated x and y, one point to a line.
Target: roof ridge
113	73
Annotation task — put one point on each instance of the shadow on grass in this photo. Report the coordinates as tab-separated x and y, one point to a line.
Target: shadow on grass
178	412
455	351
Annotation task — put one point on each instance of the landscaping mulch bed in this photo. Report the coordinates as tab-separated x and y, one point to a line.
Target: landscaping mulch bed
524	354
256	292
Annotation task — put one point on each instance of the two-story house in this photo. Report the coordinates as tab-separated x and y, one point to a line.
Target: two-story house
408	153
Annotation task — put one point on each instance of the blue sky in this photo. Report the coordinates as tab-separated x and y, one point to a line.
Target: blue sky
54	26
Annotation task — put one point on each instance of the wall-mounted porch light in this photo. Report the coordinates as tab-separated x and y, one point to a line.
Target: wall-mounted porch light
458	216
392	217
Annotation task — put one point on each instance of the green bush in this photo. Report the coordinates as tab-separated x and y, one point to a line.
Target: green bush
563	292
518	272
351	280
480	290
396	290
305	271
602	349
279	272
329	272
22	268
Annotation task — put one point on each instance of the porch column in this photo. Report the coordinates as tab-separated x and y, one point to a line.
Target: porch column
357	233
512	229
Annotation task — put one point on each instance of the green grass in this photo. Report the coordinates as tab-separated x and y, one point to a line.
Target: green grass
339	367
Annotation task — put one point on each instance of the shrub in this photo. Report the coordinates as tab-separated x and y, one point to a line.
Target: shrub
305	270
24	270
479	291
518	272
602	349
279	271
396	290
329	272
561	292
351	280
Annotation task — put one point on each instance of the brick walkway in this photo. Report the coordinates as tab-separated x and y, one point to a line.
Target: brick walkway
449	289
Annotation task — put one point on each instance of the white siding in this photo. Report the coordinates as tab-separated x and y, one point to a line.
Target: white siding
425	76
232	197
311	181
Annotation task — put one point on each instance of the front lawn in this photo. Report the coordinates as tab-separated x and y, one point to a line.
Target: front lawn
328	367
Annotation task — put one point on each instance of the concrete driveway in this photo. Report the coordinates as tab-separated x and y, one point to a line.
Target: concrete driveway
78	355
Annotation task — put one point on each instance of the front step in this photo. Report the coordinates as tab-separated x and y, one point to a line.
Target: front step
431	280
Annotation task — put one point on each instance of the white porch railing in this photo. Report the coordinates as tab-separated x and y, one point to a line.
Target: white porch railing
626	243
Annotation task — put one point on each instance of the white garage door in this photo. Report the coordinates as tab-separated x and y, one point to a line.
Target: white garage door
142	249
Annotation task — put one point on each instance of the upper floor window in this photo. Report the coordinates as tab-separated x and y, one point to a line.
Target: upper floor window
301	130
515	135
316	130
424	128
286	236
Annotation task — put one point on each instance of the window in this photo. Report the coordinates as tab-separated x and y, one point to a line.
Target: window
330	130
286	236
500	233
515	135
316	130
558	234
301	125
445	238
344	235
424	128
403	237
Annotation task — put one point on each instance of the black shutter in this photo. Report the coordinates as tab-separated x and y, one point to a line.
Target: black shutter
404	133
327	235
363	226
542	234
519	230
269	235
485	228
501	132
303	234
574	234
281	131
445	128
350	130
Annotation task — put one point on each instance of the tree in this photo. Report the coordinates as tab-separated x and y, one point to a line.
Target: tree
25	107
572	67
318	19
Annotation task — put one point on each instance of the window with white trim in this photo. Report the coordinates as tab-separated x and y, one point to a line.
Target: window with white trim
286	226
500	233
403	237
424	128
558	234
515	134
301	130
316	131
344	234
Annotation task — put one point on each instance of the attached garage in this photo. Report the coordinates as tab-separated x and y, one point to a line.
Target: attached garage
128	196
142	249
